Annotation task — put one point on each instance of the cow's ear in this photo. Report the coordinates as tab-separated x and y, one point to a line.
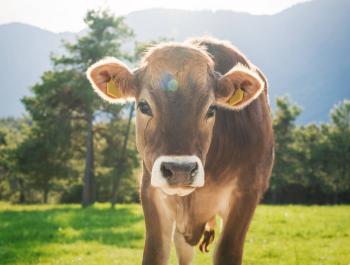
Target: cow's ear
238	88
112	80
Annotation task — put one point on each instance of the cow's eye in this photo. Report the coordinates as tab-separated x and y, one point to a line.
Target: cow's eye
144	108
211	111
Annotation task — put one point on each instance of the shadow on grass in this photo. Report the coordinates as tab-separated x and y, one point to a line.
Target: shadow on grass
23	233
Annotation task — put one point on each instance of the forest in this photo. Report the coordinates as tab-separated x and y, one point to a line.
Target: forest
72	147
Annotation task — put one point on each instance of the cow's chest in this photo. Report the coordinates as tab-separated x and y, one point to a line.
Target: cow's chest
192	212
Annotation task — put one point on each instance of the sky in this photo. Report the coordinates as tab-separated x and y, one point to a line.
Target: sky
67	15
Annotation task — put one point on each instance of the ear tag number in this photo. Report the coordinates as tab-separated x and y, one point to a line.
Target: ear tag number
237	97
113	90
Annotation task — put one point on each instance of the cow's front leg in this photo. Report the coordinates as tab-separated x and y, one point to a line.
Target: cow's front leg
184	251
229	250
159	226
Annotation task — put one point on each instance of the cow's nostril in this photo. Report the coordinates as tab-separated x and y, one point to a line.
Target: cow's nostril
194	170
167	173
182	173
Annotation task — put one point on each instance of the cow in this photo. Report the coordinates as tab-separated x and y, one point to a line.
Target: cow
205	137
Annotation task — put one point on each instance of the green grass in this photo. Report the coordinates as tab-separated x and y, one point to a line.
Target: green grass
67	234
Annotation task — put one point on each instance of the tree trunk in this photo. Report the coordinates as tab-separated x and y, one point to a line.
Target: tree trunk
121	160
22	198
1	186
115	184
45	195
335	196
89	189
273	196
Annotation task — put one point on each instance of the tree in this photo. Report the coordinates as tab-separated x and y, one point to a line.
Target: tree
45	153
312	161
309	144
40	159
284	125
65	111
4	163
337	150
105	35
12	133
119	155
122	158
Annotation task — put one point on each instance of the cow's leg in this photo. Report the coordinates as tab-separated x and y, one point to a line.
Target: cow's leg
229	250
159	226
184	251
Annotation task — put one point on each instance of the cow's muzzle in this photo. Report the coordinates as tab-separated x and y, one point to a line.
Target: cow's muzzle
177	175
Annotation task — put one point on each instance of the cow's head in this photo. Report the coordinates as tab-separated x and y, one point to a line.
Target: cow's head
177	93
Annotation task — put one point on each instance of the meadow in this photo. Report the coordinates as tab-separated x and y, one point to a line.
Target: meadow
67	234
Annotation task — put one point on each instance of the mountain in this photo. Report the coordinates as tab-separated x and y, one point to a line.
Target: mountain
303	50
24	55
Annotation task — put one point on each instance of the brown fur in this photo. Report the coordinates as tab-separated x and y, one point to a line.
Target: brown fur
240	156
236	147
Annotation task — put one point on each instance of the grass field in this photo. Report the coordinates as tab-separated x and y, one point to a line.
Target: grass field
67	234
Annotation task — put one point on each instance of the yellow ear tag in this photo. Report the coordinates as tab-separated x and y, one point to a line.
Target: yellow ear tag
237	97
113	90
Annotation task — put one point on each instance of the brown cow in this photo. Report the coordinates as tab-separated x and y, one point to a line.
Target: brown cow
204	133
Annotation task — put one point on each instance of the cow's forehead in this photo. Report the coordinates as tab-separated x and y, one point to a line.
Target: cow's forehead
176	54
176	66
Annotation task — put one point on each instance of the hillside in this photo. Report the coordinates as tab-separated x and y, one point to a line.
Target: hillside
303	50
24	55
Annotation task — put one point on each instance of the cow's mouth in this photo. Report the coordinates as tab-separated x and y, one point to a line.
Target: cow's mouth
177	175
181	191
